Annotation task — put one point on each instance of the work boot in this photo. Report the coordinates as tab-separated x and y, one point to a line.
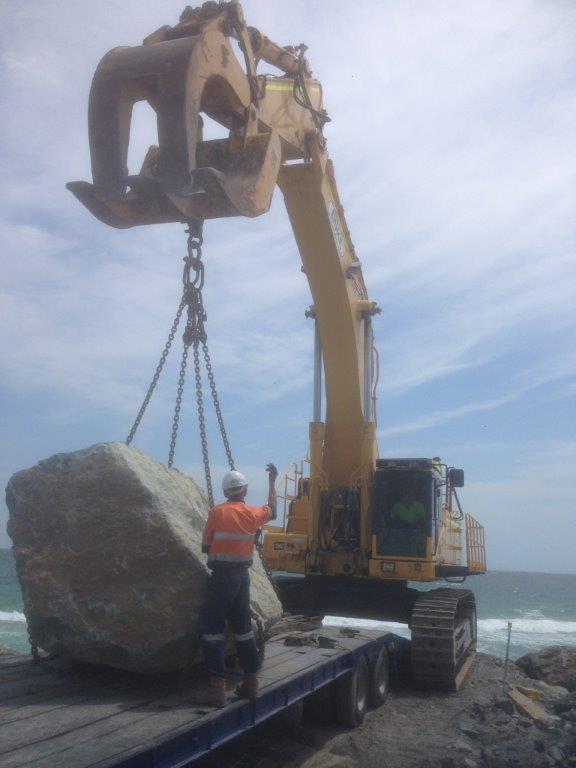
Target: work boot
248	688
210	693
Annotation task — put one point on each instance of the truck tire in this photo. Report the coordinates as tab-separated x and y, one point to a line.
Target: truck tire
352	695
379	679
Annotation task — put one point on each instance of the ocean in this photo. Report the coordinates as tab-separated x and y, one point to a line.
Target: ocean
541	607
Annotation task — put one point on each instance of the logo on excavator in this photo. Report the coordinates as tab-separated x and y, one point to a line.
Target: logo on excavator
336	228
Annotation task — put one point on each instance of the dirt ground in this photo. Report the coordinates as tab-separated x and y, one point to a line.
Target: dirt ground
476	728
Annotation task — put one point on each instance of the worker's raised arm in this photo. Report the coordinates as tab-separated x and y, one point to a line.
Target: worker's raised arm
272	499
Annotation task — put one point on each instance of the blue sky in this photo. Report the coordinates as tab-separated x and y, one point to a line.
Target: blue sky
453	139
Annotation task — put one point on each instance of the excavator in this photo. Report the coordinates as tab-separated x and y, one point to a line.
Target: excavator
362	536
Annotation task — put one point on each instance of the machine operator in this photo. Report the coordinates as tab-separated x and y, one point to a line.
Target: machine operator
228	540
408	511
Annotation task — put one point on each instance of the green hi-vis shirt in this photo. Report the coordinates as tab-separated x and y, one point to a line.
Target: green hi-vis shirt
408	513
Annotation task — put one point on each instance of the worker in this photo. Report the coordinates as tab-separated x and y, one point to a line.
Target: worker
228	540
409	511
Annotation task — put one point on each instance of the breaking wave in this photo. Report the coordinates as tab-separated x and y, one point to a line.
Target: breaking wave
12	616
530	630
531	626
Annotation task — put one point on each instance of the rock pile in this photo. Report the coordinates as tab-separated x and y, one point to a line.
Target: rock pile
555	665
107	545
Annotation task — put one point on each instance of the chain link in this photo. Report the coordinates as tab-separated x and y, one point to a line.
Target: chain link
178	405
194	335
202	424
159	368
217	408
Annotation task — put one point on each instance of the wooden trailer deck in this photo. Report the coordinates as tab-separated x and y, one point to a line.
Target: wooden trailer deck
53	716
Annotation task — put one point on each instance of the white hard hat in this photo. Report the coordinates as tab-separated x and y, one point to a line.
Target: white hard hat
233	481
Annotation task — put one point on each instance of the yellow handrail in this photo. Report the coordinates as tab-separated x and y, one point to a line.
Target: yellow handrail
475	545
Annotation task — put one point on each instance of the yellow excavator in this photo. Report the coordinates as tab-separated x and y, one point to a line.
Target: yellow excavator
358	529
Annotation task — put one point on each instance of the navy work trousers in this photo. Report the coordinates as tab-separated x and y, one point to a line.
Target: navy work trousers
228	598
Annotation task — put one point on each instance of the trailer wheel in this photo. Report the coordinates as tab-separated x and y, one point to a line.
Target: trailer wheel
379	679
352	695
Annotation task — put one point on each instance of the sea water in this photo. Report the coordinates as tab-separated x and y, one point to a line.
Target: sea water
541	607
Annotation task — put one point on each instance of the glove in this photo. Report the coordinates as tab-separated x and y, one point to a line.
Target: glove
272	472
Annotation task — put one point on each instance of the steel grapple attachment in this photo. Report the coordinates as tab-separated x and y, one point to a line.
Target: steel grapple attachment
181	74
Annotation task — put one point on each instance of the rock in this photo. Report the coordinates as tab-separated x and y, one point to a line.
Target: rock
555	754
565	703
551	692
472	733
555	665
505	705
107	545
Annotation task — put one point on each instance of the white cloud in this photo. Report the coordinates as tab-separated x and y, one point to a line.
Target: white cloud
441	417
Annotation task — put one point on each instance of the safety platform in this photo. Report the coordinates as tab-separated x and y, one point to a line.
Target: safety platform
52	715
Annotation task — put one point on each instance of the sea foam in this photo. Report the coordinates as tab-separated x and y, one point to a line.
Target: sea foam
12	616
530	626
527	625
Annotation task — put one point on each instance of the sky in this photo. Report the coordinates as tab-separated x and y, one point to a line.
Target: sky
454	146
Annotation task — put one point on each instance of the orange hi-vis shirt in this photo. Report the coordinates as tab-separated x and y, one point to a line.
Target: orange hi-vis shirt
230	532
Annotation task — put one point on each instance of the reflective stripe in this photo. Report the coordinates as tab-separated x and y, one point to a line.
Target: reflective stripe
229	558
212	638
224	536
247	636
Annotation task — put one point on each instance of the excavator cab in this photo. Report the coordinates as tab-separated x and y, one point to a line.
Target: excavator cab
412	501
404	513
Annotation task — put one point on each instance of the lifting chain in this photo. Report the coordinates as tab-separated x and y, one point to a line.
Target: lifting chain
194	336
159	368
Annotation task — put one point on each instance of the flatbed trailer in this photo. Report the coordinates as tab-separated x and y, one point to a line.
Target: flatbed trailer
55	716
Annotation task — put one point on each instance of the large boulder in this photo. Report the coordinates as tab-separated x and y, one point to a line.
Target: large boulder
555	665
107	544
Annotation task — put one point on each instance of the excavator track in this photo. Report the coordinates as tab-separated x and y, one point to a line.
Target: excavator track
444	632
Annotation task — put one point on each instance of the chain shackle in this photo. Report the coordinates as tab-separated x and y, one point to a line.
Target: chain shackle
197	265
